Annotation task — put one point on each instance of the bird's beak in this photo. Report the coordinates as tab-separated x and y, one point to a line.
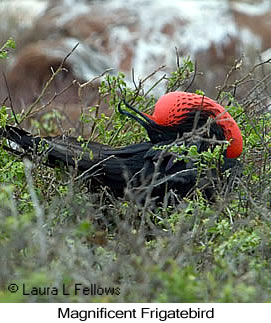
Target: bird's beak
146	120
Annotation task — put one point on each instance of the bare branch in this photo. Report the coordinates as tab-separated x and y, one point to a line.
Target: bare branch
10	99
47	84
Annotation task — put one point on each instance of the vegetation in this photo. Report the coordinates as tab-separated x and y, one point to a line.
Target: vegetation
55	232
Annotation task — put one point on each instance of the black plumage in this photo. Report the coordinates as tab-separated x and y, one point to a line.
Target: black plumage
146	168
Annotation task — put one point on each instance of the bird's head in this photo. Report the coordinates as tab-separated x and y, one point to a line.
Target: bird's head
174	114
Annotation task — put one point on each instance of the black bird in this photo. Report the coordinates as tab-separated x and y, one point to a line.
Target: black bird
145	168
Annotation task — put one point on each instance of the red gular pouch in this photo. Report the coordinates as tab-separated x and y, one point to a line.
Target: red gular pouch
178	112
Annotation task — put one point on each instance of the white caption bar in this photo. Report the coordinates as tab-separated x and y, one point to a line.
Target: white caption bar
104	312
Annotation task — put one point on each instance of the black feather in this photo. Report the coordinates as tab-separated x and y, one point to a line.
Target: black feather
134	165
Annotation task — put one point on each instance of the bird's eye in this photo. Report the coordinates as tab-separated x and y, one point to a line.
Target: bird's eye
162	137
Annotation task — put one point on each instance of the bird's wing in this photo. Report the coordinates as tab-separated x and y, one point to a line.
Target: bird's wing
109	166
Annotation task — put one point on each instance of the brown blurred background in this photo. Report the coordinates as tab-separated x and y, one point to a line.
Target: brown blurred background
123	35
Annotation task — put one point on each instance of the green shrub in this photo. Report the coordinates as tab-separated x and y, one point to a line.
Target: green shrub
55	231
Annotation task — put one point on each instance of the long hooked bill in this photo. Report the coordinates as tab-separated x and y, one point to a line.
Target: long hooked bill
148	125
